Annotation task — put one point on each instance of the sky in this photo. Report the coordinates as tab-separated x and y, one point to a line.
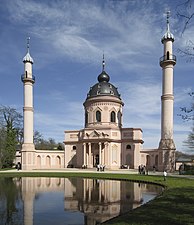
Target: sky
67	42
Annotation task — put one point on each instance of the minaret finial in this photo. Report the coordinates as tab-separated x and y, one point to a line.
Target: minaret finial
167	20
28	44
103	62
27	57
168	35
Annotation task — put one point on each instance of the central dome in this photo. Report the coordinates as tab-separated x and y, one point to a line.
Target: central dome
103	87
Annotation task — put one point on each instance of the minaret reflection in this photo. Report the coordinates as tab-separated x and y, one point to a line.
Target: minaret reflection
33	186
98	200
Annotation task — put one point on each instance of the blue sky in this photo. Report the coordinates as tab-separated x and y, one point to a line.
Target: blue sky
67	42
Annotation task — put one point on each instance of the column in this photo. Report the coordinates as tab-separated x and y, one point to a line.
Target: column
100	153
106	154
84	154
90	164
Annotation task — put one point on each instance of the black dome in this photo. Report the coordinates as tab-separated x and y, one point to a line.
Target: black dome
103	88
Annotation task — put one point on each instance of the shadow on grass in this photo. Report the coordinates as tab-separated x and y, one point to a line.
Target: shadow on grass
173	207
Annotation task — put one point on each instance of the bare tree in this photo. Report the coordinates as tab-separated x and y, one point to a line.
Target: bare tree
185	12
187	114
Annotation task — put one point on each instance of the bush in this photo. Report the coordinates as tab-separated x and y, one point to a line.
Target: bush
189	169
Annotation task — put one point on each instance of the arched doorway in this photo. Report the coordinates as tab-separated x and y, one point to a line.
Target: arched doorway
156	161
148	161
128	161
96	160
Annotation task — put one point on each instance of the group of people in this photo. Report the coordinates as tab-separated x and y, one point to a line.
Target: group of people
100	167
143	169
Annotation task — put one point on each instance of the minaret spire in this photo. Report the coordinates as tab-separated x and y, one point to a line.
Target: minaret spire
103	62
167	20
27	57
168	35
28	44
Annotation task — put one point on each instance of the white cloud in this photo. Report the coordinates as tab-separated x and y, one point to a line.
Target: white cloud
83	31
129	33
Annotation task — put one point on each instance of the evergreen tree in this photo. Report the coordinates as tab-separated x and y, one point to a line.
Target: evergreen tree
11	121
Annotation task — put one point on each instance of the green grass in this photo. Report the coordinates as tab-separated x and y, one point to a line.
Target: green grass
175	206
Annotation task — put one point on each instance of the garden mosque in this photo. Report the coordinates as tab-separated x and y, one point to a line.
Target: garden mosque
103	140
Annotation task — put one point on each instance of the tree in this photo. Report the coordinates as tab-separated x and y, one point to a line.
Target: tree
188	115
44	144
11	204
2	143
185	12
10	121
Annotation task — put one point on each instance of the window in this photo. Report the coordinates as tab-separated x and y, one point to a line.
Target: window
113	117
98	116
74	147
128	147
168	55
119	118
86	118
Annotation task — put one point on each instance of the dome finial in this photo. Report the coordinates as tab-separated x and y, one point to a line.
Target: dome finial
103	62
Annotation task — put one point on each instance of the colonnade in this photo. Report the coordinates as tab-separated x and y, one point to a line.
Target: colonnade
90	154
108	191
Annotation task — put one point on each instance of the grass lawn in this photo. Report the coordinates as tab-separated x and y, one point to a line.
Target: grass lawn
175	206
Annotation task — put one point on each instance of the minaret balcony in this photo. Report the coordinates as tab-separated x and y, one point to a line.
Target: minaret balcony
25	78
168	59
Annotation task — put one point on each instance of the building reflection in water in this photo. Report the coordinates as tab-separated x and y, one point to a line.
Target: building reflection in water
96	200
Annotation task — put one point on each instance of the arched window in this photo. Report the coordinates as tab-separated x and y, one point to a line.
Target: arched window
119	117
128	147
168	55
48	161
98	116
86	118
113	117
74	147
38	161
58	162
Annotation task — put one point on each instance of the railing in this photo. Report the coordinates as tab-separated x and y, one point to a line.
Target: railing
26	78
168	57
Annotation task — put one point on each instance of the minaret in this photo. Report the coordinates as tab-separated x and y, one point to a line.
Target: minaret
28	149
167	62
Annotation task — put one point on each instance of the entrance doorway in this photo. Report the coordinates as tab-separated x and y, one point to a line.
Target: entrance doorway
96	160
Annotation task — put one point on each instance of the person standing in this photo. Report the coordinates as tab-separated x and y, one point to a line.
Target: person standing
165	175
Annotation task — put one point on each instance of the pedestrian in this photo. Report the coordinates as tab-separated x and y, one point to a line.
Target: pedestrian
146	170
139	169
165	175
154	168
98	167
18	166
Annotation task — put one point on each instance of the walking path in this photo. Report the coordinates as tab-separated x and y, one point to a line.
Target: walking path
76	170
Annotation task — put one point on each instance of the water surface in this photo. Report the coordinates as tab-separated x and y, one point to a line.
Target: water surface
69	201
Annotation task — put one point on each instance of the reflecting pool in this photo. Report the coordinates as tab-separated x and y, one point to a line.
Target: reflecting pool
72	201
